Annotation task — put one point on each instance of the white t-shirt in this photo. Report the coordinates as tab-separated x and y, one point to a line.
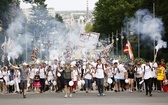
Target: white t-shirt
32	73
147	72
88	76
1	74
110	73
139	71
75	75
17	75
42	73
6	75
154	73
50	75
99	71
116	73
122	73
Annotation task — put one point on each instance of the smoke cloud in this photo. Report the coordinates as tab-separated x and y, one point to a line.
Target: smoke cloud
148	26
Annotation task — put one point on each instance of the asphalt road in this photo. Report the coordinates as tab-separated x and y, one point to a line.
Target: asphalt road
82	98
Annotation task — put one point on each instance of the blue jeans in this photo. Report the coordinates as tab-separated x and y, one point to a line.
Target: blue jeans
88	83
100	84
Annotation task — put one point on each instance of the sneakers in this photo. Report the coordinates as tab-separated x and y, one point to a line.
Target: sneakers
70	95
101	94
24	96
65	96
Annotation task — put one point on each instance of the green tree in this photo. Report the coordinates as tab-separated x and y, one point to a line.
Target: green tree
59	18
89	27
109	14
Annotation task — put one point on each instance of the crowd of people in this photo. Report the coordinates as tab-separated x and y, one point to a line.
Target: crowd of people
83	75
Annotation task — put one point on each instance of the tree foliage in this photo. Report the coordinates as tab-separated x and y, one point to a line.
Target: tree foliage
89	27
110	16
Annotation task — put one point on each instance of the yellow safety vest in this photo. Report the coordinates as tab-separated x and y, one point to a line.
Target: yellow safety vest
160	73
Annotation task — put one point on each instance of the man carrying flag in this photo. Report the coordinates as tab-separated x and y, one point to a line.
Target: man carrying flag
128	50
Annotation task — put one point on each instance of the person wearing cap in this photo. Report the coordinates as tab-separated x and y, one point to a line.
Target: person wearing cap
116	73
24	75
138	75
147	77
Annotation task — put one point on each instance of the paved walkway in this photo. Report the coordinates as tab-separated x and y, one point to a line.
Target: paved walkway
82	98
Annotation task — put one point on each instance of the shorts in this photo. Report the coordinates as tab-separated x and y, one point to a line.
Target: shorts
117	80
31	81
23	84
75	84
66	82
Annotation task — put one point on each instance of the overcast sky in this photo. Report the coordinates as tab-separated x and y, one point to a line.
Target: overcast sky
64	5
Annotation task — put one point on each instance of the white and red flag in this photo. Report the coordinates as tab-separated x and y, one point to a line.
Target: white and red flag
128	50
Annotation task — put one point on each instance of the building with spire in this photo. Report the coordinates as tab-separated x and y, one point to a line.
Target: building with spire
87	10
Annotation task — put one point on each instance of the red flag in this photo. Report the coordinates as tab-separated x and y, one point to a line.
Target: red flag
128	50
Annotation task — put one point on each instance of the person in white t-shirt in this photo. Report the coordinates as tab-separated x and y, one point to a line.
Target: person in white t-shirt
88	78
42	73
154	79
122	76
147	76
110	75
32	72
139	74
100	70
17	80
116	73
6	74
74	78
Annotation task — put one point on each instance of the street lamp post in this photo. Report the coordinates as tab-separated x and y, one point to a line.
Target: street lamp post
122	38
117	43
0	25
154	44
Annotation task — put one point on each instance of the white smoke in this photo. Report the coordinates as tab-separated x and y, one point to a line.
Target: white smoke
17	37
148	26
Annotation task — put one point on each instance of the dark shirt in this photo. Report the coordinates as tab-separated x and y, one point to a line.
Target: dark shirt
131	74
36	78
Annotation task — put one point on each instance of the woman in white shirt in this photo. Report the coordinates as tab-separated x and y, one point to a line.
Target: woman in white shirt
147	76
88	78
74	78
32	72
100	70
116	73
42	74
6	74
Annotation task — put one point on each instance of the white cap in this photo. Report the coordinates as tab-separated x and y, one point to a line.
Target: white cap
25	64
